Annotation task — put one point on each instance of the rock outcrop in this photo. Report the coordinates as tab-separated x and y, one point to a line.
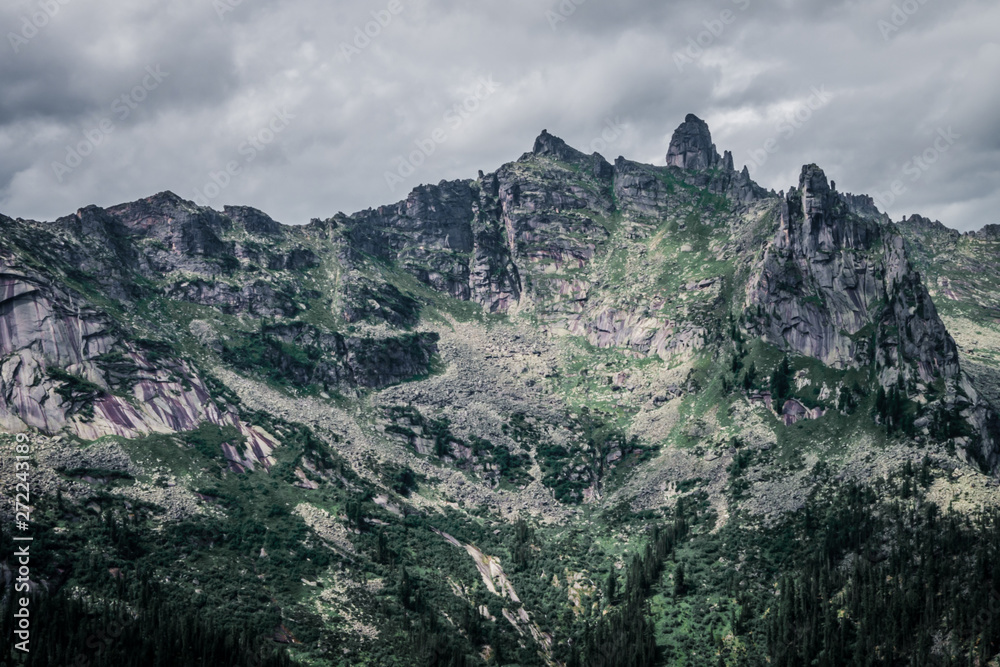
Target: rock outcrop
429	234
182	235
840	288
254	221
691	149
828	284
65	368
863	206
691	146
494	279
988	233
311	356
257	297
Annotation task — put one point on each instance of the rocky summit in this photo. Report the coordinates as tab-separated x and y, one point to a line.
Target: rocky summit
691	146
571	412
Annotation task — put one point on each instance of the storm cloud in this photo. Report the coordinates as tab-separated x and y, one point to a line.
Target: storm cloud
304	108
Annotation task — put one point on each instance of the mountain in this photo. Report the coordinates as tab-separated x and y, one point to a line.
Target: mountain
570	412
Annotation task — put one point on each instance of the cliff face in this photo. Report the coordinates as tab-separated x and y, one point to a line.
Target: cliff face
835	282
962	275
429	235
478	240
840	288
42	327
449	236
73	352
494	279
180	235
65	367
824	277
532	227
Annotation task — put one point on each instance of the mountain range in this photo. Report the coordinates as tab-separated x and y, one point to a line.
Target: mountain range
569	412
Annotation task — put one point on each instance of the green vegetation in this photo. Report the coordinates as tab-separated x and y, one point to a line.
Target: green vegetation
371	301
308	358
401	479
587	463
781	383
625	636
894	410
208	439
278	361
131	627
77	392
486	458
912	571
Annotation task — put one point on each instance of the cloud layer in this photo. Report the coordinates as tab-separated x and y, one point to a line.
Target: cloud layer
304	108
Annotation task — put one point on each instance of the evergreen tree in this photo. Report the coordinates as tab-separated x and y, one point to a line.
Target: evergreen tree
611	588
781	383
680	585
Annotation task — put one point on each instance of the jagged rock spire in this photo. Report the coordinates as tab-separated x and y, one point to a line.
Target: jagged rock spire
727	161
815	192
814	217
691	146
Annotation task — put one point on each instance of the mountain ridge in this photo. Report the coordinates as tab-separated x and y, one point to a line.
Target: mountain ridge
369	411
478	240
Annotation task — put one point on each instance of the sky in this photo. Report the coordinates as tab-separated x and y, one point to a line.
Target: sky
304	108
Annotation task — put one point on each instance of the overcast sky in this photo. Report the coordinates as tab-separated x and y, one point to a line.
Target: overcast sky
103	102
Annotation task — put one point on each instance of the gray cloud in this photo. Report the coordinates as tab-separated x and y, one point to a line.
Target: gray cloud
350	114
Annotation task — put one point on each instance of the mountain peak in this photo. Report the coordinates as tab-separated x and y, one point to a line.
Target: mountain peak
167	197
691	146
815	191
813	180
551	145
